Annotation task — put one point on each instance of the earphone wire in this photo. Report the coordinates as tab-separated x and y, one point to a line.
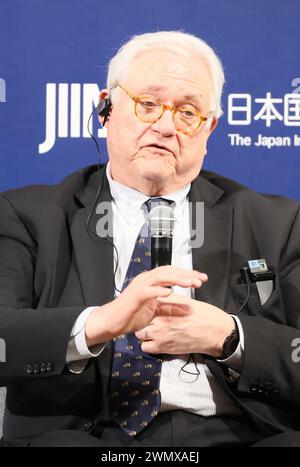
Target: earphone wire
90	232
245	271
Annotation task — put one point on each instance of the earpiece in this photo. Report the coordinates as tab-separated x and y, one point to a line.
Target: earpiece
103	108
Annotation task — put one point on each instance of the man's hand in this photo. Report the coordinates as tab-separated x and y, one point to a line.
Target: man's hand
191	327
138	304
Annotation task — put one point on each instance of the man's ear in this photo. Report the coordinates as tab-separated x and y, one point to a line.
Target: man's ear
213	124
104	107
103	93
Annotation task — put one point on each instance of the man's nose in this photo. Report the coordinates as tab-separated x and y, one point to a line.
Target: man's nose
165	125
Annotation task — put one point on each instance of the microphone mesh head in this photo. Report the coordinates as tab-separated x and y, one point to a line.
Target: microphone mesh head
161	221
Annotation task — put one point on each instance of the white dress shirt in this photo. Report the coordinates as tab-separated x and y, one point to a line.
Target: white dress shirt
197	393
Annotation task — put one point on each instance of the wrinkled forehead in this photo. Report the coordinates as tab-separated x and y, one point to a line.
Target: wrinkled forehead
159	72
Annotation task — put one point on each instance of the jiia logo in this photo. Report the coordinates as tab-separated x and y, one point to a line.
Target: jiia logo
68	107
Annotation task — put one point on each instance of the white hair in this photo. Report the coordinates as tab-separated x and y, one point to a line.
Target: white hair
177	41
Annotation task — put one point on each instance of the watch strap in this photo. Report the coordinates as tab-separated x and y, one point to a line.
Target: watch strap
230	343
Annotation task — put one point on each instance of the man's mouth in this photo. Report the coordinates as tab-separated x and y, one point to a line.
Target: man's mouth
158	146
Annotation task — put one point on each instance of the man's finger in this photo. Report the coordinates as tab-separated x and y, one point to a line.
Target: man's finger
174	299
155	292
169	275
150	347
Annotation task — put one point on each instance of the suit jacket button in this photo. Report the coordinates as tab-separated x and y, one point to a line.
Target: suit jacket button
36	368
28	369
49	367
254	387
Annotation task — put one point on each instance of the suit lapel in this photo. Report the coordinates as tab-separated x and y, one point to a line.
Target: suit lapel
94	259
93	254
213	257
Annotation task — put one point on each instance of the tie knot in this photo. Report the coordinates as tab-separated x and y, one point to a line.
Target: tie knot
153	202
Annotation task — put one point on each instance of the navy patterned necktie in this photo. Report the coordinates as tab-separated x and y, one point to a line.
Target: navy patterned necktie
135	376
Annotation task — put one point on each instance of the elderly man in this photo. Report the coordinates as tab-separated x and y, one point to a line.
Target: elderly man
102	350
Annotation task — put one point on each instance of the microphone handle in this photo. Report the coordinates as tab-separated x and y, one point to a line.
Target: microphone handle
161	251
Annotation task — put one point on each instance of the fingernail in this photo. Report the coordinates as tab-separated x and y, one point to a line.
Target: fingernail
198	282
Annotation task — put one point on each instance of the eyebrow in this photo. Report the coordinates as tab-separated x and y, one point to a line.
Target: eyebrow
193	97
196	98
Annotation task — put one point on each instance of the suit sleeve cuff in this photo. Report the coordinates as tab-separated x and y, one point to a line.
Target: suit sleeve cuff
78	353
236	360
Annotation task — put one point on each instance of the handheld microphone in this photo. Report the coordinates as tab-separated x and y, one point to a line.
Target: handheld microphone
161	222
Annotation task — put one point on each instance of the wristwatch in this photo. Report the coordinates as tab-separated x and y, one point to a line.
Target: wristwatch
230	344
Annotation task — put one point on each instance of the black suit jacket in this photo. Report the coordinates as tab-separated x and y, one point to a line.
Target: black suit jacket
52	267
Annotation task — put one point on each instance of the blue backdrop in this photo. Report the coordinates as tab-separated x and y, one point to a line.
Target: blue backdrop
53	56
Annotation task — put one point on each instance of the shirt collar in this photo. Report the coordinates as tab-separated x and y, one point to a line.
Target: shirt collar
129	201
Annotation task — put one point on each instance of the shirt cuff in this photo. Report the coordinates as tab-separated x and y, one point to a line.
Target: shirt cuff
236	360
78	353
